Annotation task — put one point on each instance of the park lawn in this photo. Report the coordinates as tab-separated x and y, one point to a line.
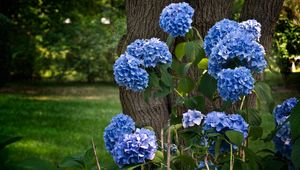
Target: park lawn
57	121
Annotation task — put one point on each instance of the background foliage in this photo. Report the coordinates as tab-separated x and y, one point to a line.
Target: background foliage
61	40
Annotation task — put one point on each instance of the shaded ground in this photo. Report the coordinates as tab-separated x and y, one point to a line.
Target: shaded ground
57	121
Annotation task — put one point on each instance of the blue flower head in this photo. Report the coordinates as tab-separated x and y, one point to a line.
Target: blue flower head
251	27
176	19
238	123
128	73
202	165
150	51
233	83
119	126
135	148
217	33
216	120
283	139
283	110
192	118
234	50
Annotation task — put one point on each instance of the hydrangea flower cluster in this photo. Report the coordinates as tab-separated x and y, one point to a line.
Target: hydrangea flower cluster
282	139
135	148
253	27
119	126
176	19
202	165
220	122
217	33
234	50
192	118
127	73
150	51
222	28
230	45
233	83
127	144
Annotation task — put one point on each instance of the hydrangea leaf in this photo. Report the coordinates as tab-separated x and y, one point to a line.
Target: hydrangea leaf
185	85
203	64
295	123
235	137
208	85
264	94
170	41
180	50
296	154
255	132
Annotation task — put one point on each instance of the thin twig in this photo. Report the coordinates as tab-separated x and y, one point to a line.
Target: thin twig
169	150
205	161
162	141
242	103
95	154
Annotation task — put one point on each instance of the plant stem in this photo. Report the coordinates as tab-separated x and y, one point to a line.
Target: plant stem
242	103
162	141
95	154
231	158
169	150
205	161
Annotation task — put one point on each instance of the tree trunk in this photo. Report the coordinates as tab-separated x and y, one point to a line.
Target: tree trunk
143	22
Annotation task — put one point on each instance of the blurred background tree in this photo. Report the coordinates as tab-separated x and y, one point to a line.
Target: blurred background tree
59	40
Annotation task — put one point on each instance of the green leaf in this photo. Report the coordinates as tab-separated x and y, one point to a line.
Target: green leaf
208	85
154	80
166	77
296	154
255	132
235	137
185	160
180	50
195	102
185	85
132	167
178	68
252	116
159	158
170	41
264	95
203	64
72	162
189	50
295	123
6	140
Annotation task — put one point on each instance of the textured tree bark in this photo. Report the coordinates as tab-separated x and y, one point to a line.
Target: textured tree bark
143	22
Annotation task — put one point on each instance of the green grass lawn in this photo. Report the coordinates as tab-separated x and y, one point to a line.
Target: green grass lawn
57	121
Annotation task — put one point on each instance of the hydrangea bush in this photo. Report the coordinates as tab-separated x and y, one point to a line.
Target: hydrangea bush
211	125
227	59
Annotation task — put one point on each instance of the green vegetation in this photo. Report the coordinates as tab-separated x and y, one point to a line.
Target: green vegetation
57	121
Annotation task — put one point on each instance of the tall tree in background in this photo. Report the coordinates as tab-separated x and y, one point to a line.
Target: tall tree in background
143	22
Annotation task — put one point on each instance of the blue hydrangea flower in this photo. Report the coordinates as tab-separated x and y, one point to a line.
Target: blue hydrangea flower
192	118
119	126
150	51
135	148
283	139
252	27
233	83
234	50
238	123
173	148
216	120
202	165
176	19
217	33
283	111
127	73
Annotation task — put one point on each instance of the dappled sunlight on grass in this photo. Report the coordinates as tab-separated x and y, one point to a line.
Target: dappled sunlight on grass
57	125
